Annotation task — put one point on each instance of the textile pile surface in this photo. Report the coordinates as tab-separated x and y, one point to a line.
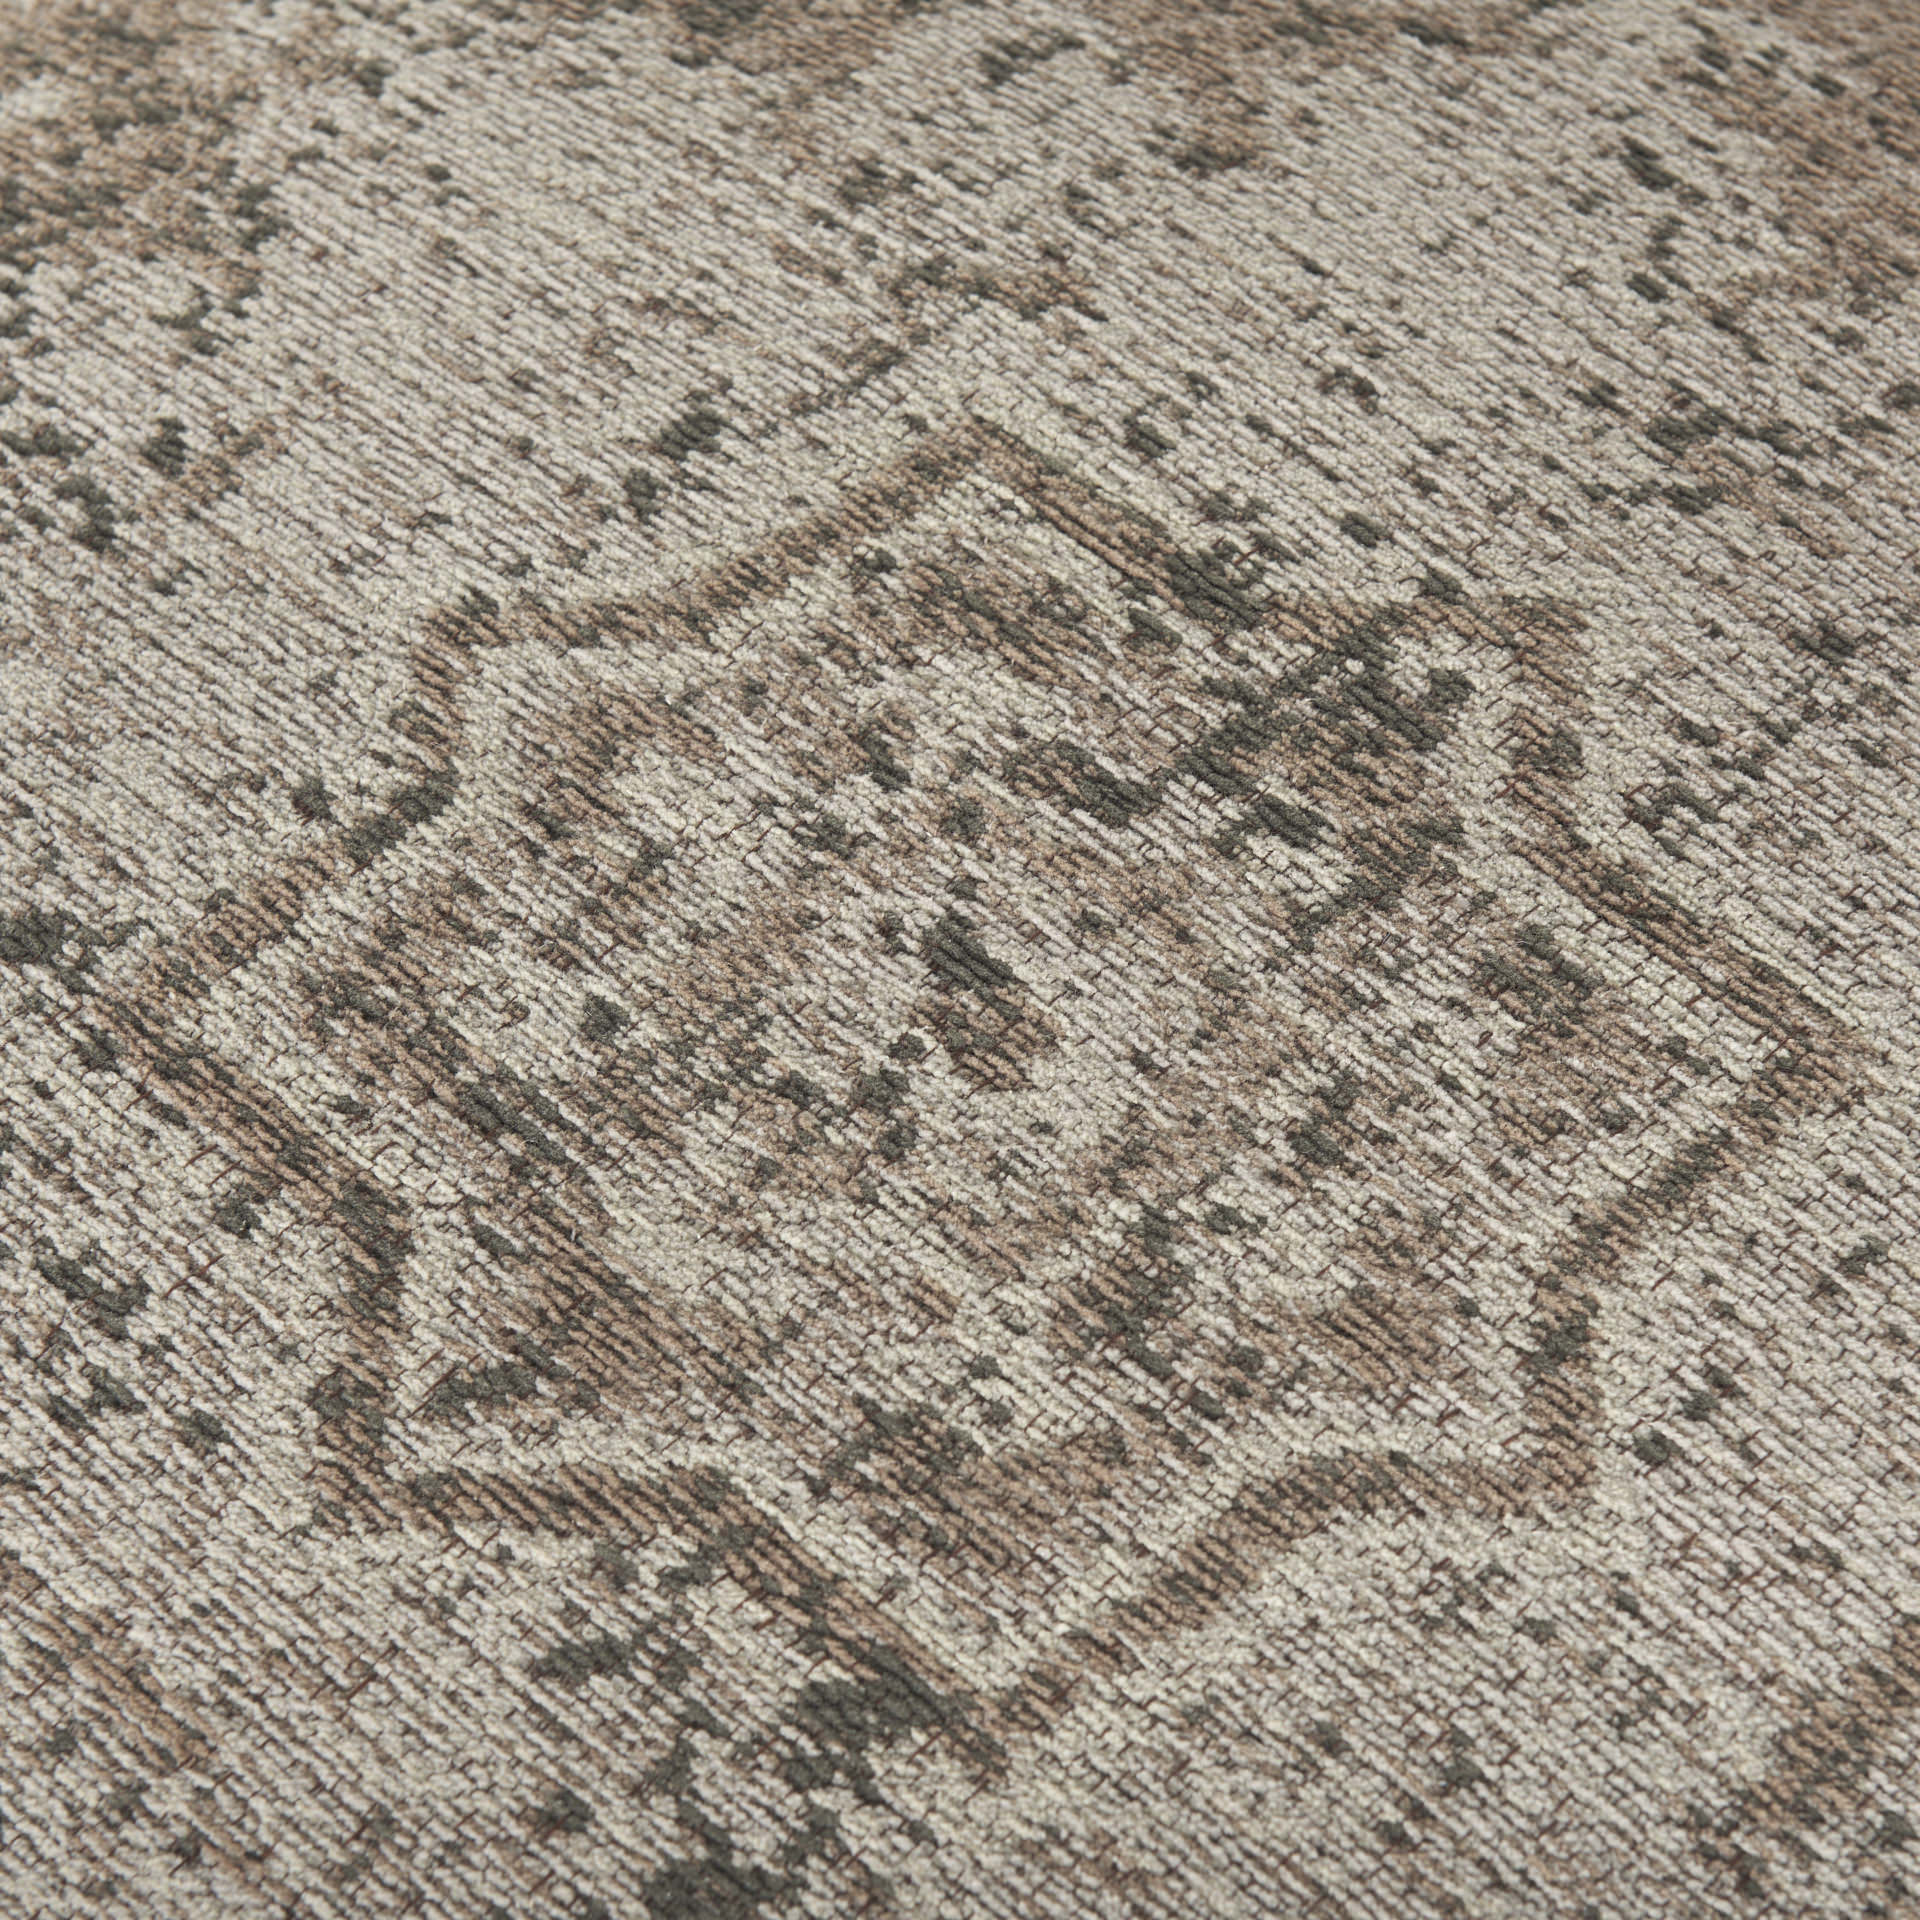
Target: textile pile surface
959	959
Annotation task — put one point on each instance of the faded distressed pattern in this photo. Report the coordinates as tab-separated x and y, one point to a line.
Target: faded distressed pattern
959	959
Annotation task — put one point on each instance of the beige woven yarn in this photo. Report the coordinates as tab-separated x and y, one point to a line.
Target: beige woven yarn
959	959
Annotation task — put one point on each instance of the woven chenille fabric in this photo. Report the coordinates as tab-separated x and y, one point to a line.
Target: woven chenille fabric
959	959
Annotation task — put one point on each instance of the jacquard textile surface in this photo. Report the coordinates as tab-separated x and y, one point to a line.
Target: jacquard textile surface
959	959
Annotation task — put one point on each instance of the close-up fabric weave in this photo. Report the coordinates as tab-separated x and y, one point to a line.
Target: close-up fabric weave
959	958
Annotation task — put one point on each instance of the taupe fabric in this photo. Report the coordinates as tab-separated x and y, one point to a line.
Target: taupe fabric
959	959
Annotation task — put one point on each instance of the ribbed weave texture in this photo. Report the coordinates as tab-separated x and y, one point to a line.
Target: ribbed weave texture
959	960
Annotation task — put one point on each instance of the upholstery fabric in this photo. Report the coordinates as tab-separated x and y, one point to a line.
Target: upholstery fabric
959	959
